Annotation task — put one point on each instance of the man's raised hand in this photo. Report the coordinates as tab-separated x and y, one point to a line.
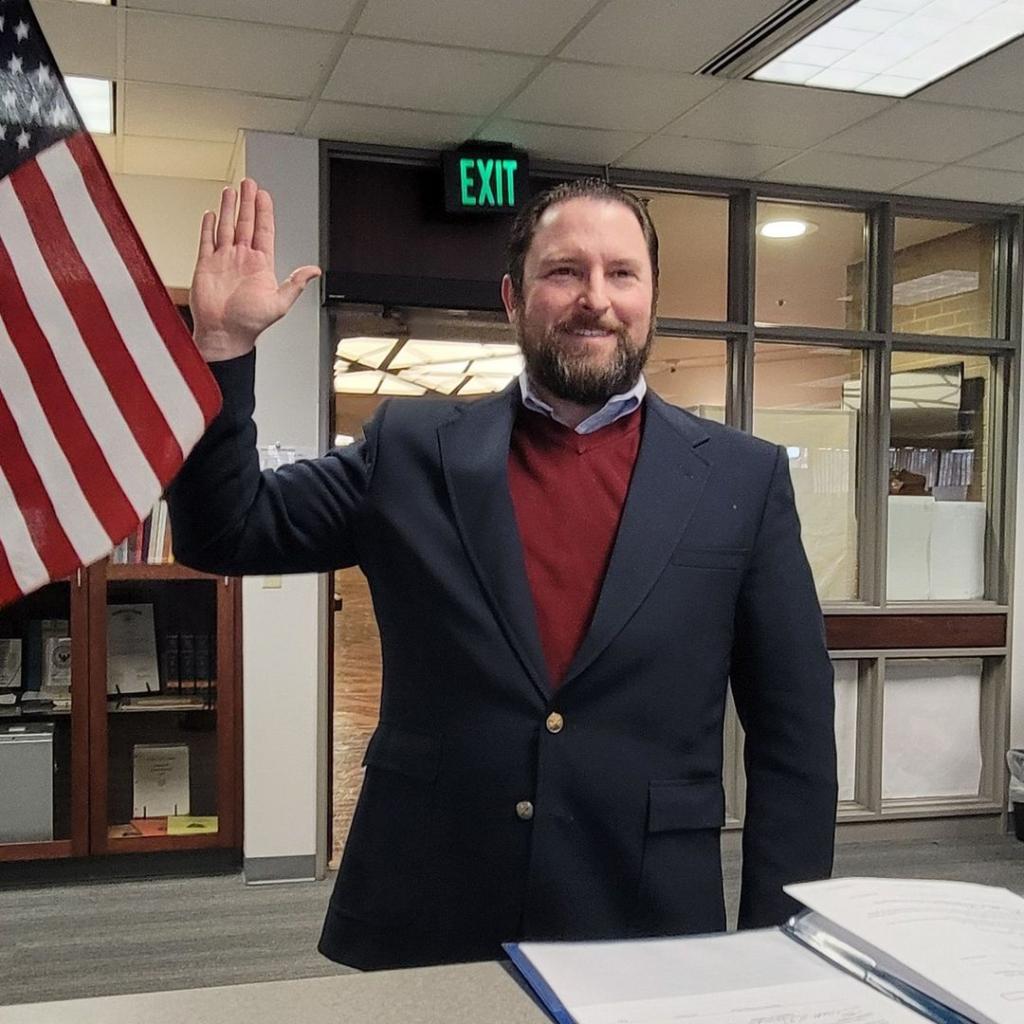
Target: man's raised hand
235	293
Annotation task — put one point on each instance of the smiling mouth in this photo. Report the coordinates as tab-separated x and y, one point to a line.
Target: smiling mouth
590	332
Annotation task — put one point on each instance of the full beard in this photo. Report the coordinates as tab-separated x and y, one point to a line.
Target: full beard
573	375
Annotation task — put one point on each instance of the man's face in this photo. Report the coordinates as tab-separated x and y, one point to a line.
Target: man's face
585	317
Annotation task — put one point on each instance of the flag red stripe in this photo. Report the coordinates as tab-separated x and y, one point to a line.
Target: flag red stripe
158	304
88	463
48	536
95	325
9	589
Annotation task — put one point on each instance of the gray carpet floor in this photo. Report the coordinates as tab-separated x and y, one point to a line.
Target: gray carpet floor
140	936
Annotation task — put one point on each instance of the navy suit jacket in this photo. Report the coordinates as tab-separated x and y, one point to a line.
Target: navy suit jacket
707	583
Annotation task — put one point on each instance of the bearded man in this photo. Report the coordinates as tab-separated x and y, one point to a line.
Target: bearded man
567	577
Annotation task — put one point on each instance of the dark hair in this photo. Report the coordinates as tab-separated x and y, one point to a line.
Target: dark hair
525	224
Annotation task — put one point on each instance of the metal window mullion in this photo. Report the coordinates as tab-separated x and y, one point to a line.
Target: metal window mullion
1002	475
870	711
741	302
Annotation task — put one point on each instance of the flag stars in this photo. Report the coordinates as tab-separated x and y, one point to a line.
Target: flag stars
43	73
33	107
10	99
21	31
23	139
14	65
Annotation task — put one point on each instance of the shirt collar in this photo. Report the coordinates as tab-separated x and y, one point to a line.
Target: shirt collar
616	406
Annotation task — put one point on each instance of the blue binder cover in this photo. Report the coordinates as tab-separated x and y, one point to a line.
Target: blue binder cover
545	993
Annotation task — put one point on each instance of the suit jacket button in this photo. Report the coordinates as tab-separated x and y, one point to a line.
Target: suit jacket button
555	722
524	810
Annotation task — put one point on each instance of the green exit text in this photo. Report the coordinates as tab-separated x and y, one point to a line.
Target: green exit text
487	182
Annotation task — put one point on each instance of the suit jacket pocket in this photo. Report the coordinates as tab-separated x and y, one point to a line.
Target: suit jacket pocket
710	558
684	804
408	753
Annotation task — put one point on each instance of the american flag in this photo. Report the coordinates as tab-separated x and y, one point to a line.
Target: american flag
102	392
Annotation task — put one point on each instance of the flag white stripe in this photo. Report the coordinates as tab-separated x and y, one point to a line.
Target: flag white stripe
74	513
149	350
115	438
26	565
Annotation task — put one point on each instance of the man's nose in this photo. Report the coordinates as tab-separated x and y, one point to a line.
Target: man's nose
595	292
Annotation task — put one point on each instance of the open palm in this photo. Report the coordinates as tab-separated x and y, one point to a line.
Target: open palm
235	292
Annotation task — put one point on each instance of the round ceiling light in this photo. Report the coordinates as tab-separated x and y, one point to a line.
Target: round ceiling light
786	228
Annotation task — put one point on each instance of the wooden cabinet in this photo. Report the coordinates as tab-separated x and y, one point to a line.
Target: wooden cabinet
138	763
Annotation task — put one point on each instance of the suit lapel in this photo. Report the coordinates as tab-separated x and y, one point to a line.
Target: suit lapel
474	456
667	481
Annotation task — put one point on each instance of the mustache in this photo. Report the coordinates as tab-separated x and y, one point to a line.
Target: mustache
588	324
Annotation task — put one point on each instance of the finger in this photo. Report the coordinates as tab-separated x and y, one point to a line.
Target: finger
295	284
206	234
246	213
263	231
226	218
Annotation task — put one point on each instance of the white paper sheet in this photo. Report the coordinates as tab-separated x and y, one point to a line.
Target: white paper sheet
965	939
756	977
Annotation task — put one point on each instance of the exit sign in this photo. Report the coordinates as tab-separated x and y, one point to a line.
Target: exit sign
485	179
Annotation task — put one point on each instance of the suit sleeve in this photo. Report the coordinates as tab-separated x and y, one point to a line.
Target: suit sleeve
782	685
228	517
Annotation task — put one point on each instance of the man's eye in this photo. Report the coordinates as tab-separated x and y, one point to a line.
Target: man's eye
624	272
561	272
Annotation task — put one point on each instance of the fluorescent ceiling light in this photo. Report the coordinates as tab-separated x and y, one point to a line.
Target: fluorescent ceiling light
94	98
895	47
444	367
786	228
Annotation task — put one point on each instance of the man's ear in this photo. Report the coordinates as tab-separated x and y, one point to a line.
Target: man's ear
509	298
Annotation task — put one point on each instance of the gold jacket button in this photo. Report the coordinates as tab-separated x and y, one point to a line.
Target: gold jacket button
555	722
524	810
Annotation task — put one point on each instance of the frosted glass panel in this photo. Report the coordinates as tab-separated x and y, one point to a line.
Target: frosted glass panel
931	737
846	727
799	404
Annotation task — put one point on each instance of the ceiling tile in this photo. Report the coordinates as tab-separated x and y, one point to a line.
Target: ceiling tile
353	123
434	78
844	170
1007	157
970	183
675	35
526	26
775	115
191	51
83	37
555	142
993	81
704	156
176	158
326	15
599	97
175	111
927	131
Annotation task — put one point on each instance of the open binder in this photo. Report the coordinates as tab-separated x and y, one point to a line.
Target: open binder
865	951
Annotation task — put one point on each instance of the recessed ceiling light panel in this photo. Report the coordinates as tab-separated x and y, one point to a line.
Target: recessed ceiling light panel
895	47
786	228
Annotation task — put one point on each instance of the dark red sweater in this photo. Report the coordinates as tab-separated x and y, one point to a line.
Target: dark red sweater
568	491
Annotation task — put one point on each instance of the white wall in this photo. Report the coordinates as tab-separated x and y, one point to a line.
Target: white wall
167	212
283	636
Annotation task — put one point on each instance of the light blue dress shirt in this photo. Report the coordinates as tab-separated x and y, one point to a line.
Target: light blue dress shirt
616	406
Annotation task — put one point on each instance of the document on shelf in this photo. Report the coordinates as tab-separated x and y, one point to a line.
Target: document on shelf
755	977
961	944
